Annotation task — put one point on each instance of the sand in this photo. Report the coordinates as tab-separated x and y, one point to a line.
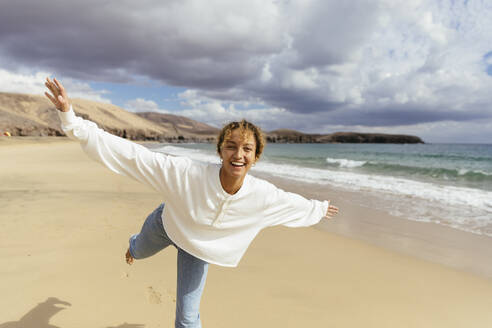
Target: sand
64	226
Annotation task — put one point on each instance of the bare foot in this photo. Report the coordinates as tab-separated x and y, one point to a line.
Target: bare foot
129	257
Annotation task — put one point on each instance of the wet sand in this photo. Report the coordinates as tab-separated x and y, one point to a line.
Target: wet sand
65	222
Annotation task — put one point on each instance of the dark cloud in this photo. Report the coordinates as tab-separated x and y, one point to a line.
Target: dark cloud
298	101
113	42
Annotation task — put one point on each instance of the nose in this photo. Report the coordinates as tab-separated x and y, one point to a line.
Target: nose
238	154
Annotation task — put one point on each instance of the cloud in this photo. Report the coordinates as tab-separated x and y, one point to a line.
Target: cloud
182	43
218	113
364	63
22	83
143	105
33	83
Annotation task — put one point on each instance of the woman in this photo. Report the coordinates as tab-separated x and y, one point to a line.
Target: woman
211	213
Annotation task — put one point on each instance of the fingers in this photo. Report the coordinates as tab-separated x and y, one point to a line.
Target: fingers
61	88
53	91
332	211
52	87
53	100
55	87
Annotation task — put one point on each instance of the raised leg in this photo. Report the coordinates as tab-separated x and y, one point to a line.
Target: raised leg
151	239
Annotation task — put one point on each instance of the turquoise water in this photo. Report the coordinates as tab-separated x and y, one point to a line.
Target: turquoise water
457	165
448	184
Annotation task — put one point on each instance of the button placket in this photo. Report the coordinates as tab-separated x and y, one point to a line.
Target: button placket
220	214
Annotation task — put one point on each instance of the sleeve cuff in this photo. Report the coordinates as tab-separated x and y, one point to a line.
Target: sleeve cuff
67	117
325	206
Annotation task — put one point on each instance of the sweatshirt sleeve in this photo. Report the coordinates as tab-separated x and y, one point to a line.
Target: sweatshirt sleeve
157	170
293	210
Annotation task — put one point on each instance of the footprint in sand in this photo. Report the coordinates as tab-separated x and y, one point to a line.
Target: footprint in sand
153	296
171	295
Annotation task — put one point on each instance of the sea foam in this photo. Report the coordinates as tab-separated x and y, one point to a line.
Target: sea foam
343	162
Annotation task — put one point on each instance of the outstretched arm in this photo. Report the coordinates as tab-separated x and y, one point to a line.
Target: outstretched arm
161	172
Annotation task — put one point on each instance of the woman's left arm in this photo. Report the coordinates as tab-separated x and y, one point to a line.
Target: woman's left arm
293	210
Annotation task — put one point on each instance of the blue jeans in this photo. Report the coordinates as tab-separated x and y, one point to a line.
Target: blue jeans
192	272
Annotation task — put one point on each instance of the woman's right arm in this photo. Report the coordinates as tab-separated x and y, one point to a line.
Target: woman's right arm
161	172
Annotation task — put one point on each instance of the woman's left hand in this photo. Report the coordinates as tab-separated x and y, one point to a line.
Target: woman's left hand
332	211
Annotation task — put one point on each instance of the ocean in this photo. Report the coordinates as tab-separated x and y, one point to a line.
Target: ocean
447	184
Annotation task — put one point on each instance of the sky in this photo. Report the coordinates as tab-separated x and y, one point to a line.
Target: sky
318	66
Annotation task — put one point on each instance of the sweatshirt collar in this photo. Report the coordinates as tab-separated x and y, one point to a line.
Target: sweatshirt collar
225	193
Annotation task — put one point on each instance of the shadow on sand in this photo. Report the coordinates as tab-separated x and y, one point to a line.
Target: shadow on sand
40	315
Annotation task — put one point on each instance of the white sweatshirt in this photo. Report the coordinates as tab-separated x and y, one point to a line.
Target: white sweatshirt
199	216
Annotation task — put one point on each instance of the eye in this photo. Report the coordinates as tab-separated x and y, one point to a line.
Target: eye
247	149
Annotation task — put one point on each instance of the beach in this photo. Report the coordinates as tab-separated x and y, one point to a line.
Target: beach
65	222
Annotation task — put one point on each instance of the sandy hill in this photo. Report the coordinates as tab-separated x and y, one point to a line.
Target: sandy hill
30	115
180	124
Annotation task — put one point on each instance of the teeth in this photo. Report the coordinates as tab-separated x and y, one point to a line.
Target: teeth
237	164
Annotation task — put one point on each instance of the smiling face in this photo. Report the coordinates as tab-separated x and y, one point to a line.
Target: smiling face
238	154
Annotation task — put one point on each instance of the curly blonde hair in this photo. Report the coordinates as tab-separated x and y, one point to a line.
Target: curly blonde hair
244	127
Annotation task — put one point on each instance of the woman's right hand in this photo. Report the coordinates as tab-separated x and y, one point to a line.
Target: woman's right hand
59	96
